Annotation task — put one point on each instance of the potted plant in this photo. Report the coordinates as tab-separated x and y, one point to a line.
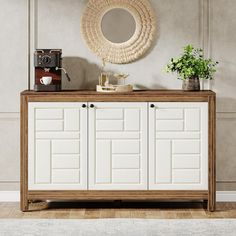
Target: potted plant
192	66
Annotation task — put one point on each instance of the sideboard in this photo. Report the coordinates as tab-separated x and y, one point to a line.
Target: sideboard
145	145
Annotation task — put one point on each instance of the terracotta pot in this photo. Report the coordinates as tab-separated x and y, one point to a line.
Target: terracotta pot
191	84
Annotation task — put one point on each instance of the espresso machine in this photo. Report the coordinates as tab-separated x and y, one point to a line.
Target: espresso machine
48	70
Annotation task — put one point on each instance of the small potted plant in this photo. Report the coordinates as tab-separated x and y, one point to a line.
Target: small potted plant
191	66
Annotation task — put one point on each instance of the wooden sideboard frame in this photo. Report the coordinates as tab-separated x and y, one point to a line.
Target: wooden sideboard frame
137	96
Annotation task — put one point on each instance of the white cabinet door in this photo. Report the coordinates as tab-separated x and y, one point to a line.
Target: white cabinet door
118	146
57	146
178	146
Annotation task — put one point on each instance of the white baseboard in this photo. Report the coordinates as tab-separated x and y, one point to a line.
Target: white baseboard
14	196
9	196
226	196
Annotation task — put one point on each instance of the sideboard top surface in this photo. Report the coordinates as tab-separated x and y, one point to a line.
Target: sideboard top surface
137	95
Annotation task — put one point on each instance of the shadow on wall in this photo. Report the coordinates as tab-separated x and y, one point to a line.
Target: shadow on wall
142	87
83	74
224	85
156	35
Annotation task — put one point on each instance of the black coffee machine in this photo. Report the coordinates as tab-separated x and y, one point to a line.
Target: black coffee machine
48	65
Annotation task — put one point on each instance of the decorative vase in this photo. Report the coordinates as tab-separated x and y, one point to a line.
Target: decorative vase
191	84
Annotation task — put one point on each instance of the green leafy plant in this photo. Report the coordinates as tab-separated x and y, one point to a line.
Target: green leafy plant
192	64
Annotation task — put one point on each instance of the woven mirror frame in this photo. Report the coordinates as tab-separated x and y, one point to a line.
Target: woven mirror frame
119	53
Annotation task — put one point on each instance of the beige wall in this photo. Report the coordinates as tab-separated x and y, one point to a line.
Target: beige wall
13	79
56	24
223	46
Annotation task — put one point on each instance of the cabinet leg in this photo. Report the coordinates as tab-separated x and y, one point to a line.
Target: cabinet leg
211	205
24	205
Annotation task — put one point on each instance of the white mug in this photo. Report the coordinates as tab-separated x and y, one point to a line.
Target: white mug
46	80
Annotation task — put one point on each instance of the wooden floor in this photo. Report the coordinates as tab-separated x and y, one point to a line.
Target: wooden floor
78	210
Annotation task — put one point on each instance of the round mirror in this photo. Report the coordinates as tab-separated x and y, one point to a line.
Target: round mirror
118	31
118	25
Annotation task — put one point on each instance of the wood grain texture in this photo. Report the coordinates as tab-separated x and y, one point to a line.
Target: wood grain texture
118	195
212	153
24	153
136	96
128	210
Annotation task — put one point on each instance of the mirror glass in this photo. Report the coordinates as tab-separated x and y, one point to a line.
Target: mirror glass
118	25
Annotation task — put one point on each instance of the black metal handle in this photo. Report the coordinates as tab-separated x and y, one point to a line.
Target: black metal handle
152	105
84	106
91	105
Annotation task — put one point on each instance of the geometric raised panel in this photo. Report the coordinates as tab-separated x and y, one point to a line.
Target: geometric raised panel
109	125
169	125
126	162
186	146
65	162
178	135
169	114
192	119
57	135
71	119
126	146
124	176
42	161
49	125
110	114
65	146
132	124
49	114
66	176
178	146
184	161
103	161
57	146
118	146
186	176
163	161
118	135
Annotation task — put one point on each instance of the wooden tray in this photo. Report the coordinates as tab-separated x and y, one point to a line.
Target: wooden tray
115	88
